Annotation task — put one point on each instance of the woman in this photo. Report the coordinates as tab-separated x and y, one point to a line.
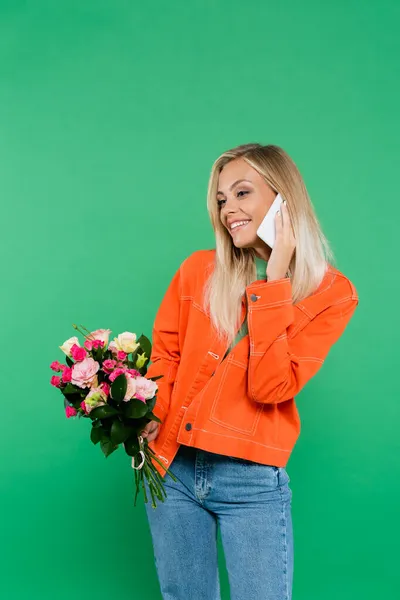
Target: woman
240	331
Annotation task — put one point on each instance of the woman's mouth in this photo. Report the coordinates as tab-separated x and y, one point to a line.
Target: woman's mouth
237	226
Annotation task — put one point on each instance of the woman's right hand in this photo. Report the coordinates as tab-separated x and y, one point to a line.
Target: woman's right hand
150	432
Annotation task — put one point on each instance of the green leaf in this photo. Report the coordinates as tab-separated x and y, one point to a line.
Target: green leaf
118	388
96	434
101	376
134	409
119	432
98	354
131	445
151	403
107	447
103	412
145	344
134	356
70	388
73	399
143	370
153	417
69	362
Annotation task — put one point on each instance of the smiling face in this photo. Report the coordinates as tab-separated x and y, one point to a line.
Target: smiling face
244	198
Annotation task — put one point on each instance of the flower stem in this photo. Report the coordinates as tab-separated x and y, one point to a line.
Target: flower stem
155	457
82	332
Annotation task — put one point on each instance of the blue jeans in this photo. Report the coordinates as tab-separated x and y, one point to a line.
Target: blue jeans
251	505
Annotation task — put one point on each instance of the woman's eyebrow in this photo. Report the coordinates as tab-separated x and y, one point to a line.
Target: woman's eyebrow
233	185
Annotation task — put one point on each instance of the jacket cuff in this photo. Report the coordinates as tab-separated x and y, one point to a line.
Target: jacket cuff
261	294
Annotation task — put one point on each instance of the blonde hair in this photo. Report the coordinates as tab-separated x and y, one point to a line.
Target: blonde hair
235	267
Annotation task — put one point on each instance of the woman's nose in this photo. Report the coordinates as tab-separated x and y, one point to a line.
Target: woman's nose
230	205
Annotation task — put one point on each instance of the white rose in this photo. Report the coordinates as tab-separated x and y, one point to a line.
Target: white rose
126	342
146	388
66	347
100	334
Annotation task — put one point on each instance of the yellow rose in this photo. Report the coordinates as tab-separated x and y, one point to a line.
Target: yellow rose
126	342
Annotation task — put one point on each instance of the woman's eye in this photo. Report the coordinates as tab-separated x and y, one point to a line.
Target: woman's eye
221	202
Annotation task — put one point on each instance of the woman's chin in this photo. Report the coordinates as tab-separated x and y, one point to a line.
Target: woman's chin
243	243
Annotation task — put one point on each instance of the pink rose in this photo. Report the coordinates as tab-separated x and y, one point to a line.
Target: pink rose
108	365
56	381
88	344
106	388
146	388
70	411
116	374
83	407
83	373
133	372
98	344
55	366
78	353
121	355
67	374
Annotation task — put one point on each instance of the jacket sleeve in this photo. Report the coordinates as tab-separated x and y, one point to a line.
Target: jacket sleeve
165	353
287	345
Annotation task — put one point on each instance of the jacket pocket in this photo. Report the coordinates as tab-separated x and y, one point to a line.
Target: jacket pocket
232	407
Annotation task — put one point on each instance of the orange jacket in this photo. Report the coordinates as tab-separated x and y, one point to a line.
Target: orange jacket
243	405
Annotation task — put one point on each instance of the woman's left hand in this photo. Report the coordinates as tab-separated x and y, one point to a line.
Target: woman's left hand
284	247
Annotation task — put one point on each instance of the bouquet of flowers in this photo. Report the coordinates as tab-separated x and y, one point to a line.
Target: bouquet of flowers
105	382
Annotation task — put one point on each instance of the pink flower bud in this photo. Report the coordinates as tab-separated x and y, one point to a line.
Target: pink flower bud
78	353
67	375
88	344
116	373
56	381
134	372
106	388
121	355
108	365
98	344
70	411
55	366
83	407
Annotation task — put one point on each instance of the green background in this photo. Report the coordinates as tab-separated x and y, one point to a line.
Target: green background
111	114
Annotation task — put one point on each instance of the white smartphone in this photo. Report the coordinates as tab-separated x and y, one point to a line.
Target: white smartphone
266	230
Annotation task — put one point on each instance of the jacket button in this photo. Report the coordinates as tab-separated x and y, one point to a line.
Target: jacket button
253	298
188	426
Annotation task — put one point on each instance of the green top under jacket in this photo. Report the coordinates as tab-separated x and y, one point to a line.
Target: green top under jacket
261	266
